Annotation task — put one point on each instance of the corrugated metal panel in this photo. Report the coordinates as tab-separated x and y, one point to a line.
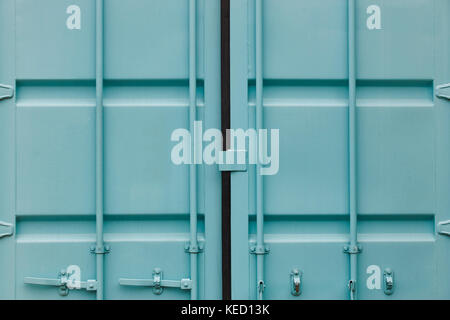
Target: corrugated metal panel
363	148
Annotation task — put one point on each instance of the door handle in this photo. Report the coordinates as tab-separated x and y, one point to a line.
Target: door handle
63	283
157	282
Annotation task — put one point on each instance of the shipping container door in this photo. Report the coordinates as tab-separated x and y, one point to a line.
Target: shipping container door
93	91
355	89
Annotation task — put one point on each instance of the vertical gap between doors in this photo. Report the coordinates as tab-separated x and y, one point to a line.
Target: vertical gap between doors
225	123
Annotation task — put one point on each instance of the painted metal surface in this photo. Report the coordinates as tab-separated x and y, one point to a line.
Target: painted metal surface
360	206
91	206
88	190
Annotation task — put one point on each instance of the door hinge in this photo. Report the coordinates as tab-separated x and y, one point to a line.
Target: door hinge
9	94
64	283
157	283
441	228
8	229
443	91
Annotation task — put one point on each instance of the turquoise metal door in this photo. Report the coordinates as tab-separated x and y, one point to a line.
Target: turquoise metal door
90	203
354	200
359	208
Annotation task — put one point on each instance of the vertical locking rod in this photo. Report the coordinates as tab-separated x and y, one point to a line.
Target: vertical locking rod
352	148
193	247
99	148
259	177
